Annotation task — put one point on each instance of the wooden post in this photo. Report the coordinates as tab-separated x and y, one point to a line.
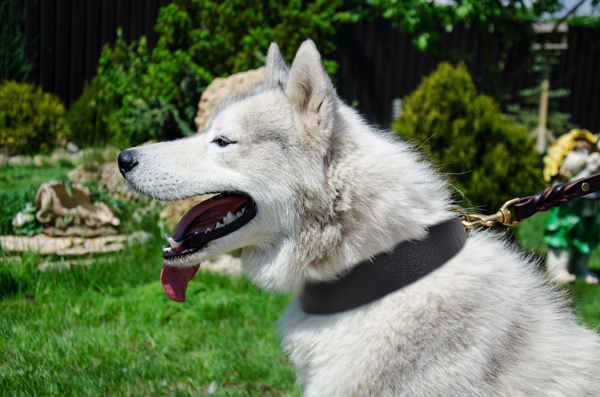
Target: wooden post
546	45
543	117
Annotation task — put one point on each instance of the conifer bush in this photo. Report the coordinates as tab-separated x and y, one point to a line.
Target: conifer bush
31	121
486	157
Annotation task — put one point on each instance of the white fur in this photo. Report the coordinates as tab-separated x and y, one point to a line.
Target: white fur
331	192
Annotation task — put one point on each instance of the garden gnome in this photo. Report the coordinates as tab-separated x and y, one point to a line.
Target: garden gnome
573	229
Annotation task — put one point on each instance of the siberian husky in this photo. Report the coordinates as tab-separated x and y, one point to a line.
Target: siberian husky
311	193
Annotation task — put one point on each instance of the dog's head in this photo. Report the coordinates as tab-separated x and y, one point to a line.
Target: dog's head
262	154
281	169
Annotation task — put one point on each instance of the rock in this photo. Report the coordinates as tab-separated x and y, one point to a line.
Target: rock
38	160
221	88
68	245
79	231
66	264
58	156
107	176
15	160
71	148
62	207
22	218
46	245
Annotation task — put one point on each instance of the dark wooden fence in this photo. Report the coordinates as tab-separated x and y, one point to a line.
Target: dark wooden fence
66	37
377	64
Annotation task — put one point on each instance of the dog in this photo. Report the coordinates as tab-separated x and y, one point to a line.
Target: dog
392	298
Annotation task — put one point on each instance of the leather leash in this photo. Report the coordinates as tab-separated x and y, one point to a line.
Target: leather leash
555	196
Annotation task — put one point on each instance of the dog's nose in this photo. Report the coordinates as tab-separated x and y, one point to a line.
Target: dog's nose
126	161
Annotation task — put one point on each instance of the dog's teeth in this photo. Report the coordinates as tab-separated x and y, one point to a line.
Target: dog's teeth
166	248
173	243
167	237
208	230
219	225
240	213
230	217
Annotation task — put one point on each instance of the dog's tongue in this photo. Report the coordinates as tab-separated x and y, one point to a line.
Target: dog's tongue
175	280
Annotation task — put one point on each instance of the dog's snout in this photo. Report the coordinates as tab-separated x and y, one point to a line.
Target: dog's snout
126	161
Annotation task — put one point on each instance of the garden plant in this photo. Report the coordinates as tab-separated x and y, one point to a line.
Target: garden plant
31	121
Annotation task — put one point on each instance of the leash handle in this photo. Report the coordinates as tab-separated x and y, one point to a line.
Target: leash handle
525	207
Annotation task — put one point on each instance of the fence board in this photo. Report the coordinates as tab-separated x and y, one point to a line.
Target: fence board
47	43
78	45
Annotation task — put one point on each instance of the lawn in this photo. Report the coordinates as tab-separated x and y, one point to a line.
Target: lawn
110	329
103	330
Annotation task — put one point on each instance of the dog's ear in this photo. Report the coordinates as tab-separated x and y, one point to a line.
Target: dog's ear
310	90
276	73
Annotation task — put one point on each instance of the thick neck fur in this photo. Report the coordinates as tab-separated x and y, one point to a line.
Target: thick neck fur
376	194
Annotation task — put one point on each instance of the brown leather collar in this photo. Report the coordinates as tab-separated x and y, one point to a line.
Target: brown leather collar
387	272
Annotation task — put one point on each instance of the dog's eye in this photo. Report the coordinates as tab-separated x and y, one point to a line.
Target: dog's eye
222	141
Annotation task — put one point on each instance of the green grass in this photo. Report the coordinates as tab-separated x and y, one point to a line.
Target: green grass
18	179
101	330
110	329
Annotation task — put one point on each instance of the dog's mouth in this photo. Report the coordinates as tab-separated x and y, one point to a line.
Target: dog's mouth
214	218
211	219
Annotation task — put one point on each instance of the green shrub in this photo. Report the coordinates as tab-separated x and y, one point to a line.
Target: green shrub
227	37
31	120
141	100
154	95
489	159
86	117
